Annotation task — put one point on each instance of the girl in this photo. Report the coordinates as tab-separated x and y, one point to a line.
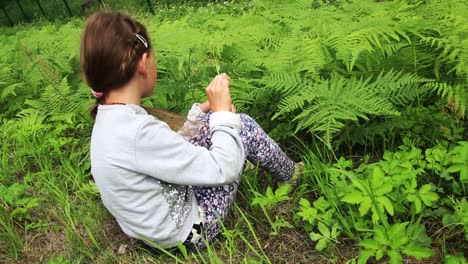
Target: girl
158	186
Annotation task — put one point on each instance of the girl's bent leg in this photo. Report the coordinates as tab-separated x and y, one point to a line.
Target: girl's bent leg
264	151
260	148
215	202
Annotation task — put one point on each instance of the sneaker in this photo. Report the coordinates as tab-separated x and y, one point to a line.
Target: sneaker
298	171
249	166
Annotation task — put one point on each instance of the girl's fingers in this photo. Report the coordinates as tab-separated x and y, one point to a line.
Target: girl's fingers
224	75
218	93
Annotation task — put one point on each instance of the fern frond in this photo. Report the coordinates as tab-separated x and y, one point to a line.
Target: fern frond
456	95
399	87
327	104
282	82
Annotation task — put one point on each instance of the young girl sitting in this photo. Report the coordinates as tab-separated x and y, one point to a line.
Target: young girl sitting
159	186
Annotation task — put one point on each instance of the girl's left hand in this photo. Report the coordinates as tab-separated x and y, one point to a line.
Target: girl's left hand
205	107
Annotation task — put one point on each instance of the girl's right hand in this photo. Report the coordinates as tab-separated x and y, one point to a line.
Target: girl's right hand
219	93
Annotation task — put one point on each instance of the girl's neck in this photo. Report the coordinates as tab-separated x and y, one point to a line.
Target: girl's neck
127	94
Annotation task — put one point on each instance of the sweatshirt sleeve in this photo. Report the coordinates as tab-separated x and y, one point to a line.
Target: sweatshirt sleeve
165	155
194	118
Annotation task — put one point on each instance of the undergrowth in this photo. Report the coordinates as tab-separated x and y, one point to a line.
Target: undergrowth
371	95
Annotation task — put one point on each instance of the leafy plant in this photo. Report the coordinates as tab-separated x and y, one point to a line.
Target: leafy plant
269	199
393	241
325	237
13	198
382	197
374	92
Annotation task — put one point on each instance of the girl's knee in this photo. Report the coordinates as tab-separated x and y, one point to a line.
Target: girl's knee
245	118
249	124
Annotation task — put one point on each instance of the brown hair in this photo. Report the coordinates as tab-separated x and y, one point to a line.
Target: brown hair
110	51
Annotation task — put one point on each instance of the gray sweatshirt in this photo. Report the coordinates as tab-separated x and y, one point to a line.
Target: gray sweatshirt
144	171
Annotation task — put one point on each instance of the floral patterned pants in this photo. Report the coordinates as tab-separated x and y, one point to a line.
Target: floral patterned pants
260	149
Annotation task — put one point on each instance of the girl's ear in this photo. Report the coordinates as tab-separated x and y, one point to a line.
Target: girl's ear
143	65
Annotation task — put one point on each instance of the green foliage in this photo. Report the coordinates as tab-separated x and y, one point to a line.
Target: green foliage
344	78
393	241
450	259
390	197
325	237
12	197
328	68
459	216
270	199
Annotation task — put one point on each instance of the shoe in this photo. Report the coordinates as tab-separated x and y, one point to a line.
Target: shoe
298	171
249	166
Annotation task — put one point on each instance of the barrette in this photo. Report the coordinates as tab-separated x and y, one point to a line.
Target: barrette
142	39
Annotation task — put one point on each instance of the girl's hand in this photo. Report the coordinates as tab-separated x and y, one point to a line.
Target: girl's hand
219	94
205	107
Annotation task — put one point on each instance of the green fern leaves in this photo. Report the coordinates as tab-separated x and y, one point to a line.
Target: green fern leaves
327	104
318	68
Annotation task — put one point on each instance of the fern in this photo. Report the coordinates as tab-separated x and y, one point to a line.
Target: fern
457	95
290	61
327	104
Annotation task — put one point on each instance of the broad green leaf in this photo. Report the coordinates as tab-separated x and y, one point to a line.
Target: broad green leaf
417	205
429	198
23	201
450	259
322	244
380	235
449	219
377	177
280	222
397	241
269	192
395	257
364	206
335	233
383	200
425	188
370	244
354	197
384	189
365	255
315	236
456	168
379	253
283	190
323	229
464	175
397	235
375	214
322	204
418	234
18	213
417	251
304	202
308	214
406	165
411	197
327	216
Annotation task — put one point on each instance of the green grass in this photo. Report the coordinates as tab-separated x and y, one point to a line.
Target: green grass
289	63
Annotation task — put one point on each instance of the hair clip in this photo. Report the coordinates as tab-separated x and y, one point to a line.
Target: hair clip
97	94
142	39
